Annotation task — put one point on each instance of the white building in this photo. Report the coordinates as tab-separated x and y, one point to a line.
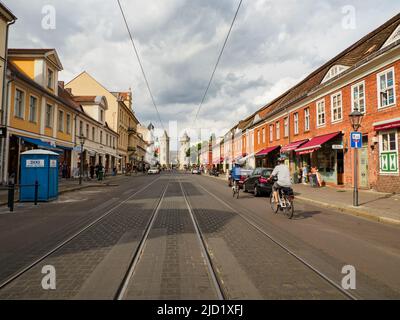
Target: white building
164	150
183	147
148	136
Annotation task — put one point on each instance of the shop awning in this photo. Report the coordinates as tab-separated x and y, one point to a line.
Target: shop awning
387	124
266	151
316	143
293	146
41	144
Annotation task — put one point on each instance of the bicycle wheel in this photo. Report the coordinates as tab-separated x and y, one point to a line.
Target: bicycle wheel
289	210
274	205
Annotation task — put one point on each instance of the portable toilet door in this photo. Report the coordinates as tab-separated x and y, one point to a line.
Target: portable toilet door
36	166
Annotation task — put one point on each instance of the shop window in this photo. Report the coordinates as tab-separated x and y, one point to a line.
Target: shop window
386	89
337	108
321	113
358	97
389	155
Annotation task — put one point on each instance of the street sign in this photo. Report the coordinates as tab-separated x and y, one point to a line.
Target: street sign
337	147
356	140
3	132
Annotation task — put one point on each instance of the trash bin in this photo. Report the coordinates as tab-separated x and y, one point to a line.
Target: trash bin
41	166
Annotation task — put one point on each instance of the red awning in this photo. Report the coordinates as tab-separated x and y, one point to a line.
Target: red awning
266	151
316	143
293	146
387	126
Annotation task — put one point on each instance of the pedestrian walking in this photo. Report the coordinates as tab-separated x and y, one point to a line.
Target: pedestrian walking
305	174
91	170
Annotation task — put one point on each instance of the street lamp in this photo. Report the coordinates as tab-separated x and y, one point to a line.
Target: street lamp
355	119
82	141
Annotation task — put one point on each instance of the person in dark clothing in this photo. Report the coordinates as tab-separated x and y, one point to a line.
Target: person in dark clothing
91	171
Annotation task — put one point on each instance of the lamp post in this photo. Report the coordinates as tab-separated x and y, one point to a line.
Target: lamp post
355	119
82	141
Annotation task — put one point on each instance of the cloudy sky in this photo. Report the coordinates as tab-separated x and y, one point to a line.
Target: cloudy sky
274	44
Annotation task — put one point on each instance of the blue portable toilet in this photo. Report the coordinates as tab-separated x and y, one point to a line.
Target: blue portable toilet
41	166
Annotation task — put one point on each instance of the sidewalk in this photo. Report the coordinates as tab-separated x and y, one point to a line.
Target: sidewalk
381	207
73	185
376	206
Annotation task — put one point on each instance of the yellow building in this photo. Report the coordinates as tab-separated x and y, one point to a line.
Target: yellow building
36	115
6	20
119	116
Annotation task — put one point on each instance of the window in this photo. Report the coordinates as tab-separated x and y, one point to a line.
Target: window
389	155
278	130
101	115
286	126
32	108
19	104
321	113
358	97
80	128
271	133
258	137
337	108
386	89
296	123
49	116
263	135
68	123
106	139
307	119
87	131
60	121
93	133
50	76
101	137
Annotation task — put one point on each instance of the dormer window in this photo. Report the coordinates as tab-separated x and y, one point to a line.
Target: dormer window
50	78
334	71
393	38
101	115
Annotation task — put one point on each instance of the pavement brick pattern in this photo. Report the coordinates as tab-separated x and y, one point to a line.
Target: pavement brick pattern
250	265
76	262
75	215
172	266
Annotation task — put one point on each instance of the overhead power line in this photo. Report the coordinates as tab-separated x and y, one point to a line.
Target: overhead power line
218	60
140	63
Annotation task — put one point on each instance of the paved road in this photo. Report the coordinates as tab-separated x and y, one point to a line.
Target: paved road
150	238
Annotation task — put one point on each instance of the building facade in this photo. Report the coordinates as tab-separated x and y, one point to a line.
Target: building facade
309	124
164	150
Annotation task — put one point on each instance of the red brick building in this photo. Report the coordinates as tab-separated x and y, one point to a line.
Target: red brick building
310	122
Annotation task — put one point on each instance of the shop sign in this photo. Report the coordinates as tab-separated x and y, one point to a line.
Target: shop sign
35	163
53	163
337	147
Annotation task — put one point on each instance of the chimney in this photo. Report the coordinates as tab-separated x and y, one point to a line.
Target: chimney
61	84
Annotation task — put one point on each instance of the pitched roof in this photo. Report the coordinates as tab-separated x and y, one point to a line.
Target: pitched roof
365	47
45	53
6	12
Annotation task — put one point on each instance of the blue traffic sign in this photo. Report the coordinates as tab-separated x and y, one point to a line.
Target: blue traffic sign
356	140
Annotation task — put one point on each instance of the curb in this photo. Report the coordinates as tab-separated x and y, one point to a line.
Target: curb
352	211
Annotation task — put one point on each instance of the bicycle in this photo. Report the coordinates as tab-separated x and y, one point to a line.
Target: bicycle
236	189
285	202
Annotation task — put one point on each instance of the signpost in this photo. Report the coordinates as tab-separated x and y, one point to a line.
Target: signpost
356	140
355	143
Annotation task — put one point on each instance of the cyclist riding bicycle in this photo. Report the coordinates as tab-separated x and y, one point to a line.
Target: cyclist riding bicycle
235	175
282	172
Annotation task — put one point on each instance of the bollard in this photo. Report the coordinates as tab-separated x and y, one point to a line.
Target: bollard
36	192
11	193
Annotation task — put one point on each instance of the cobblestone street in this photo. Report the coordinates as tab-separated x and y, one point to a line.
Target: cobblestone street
178	236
